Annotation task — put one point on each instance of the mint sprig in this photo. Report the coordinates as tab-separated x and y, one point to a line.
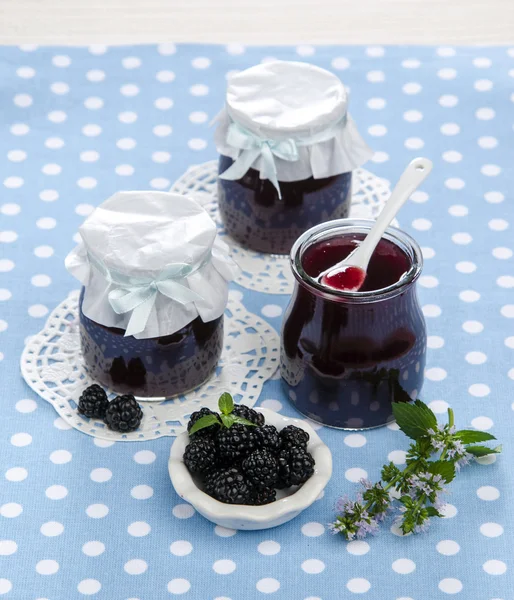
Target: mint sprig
226	418
421	483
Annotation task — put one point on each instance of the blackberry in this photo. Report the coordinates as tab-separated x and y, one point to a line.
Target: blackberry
231	487
292	436
123	414
263	496
295	466
261	469
235	443
210	480
93	402
200	455
240	410
207	431
267	437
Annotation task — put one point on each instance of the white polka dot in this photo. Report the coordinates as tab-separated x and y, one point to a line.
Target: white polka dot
411	88
47	567
428	281
431	310
313	566
355	440
199	90
181	548
355	474
51	169
305	50
494	567
450	129
41	280
84	209
163	103
201	62
479	390
37	310
91	130
357	547
145	457
380	157
11	510
131	62
56	492
487	142
275	405
6	265
161	157
448	100
52	529
312	529
162	130
450	585
224	567
414	143
126	143
136	566
57	116
448	547
61	424
8	547
100	475
127	117
452	156
60	457
97	511
271	310
94	548
466	266
469	296
21	439
375	51
89	587
462	238
342	63
23	100
178	586
124	170
472	327
411	63
476	358
454	183
13	182
54	143
498	224
235	49
25	72
129	89
491	530
458	210
490	170
509	341
439	406
231	73
183	511
482	423
494	197
483	85
358	585
16	474
488	492
506	311
26	406
61	60
7	237
485	114
447	73
160	183
10	209
60	88
93	103
5	294
377	130
398	457
43	251
139	529
89	156
166	49
3	325
165	76
412	116
482	63
436	374
376	103
5	586
16	155
403	566
198	117
197	144
87	183
224	531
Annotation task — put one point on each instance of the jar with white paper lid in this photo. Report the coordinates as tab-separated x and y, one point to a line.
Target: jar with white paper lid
155	281
287	150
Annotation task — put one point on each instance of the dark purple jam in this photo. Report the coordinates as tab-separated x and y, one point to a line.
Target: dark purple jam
256	218
154	367
345	360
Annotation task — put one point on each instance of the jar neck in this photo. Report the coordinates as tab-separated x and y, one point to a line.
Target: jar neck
341	227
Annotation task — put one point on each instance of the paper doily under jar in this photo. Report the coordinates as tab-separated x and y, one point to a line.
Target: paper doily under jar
270	273
52	365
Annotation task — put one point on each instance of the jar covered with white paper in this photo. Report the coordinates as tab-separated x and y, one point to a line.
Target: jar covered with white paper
155	287
287	150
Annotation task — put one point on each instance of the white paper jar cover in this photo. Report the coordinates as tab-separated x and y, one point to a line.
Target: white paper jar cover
297	103
151	262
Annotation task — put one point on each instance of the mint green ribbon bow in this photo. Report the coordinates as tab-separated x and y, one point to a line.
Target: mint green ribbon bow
138	295
253	146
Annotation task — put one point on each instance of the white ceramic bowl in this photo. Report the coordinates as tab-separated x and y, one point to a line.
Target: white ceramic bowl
290	502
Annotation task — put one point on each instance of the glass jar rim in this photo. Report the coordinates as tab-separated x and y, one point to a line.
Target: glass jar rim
330	229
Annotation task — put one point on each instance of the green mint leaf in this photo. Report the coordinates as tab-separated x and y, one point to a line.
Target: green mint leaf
444	468
228	420
483	450
414	419
470	436
406	501
226	403
204	422
242	421
433	512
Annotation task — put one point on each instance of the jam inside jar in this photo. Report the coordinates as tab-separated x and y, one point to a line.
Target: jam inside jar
347	356
155	367
256	218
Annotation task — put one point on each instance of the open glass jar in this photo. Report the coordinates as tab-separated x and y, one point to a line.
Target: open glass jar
287	150
155	287
347	356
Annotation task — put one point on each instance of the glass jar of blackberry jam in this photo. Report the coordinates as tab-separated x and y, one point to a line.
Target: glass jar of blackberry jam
287	151
347	356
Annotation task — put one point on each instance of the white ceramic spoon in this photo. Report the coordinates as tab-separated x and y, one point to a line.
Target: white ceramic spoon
349	274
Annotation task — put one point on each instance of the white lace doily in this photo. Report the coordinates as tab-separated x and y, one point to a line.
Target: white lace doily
270	273
53	367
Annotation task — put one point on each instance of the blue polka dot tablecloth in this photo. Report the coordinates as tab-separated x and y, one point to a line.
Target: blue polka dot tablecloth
81	517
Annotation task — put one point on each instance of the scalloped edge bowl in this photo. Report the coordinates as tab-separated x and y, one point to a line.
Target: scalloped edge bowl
240	516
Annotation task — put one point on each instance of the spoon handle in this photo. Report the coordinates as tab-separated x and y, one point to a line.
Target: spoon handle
415	173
